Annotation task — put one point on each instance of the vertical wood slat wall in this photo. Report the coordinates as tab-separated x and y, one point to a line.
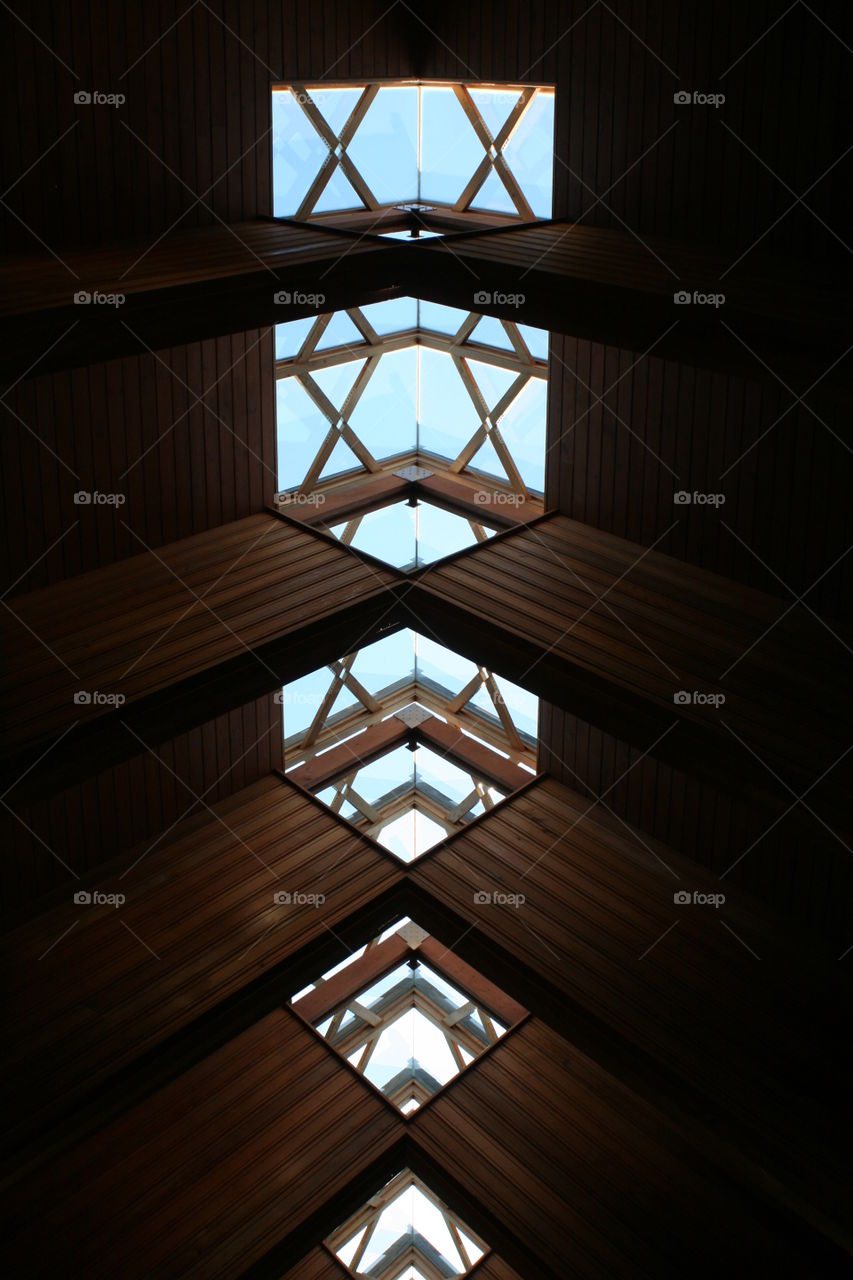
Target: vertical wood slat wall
93	822
185	437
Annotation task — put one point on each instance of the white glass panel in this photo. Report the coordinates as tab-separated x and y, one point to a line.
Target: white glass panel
339	332
493	196
536	339
494	105
392	316
335	105
447	418
441	319
450	149
290	336
530	154
523	431
385	418
338	194
298	153
300	430
491	333
385	146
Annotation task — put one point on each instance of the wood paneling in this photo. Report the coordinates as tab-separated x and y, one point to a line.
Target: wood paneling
627	434
191	145
718	997
617	67
781	852
92	987
634	619
593	1180
206	1176
147	623
185	438
88	824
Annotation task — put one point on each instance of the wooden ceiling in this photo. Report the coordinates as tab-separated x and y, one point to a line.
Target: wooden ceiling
675	1093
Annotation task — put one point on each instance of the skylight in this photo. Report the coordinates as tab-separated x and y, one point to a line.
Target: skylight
407	740
406	1014
370	146
405	1232
411	382
410	534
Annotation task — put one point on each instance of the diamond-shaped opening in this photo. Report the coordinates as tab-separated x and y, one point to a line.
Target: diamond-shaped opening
411	533
405	1232
408	741
407	1014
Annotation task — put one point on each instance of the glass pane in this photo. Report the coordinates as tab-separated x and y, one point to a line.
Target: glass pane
440	533
386	661
337	194
536	339
338	380
441	319
374	780
339	332
450	149
300	430
302	698
442	667
385	146
392	316
493	196
530	153
494	105
487	461
491	379
456	998
290	336
389	534
335	105
341	460
411	835
298	153
523	431
434	771
491	333
447	418
402	975
384	418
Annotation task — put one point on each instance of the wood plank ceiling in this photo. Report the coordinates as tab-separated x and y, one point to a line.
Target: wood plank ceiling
675	1096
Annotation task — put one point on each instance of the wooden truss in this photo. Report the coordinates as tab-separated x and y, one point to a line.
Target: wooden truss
335	747
461	349
336	1008
411	1249
337	156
